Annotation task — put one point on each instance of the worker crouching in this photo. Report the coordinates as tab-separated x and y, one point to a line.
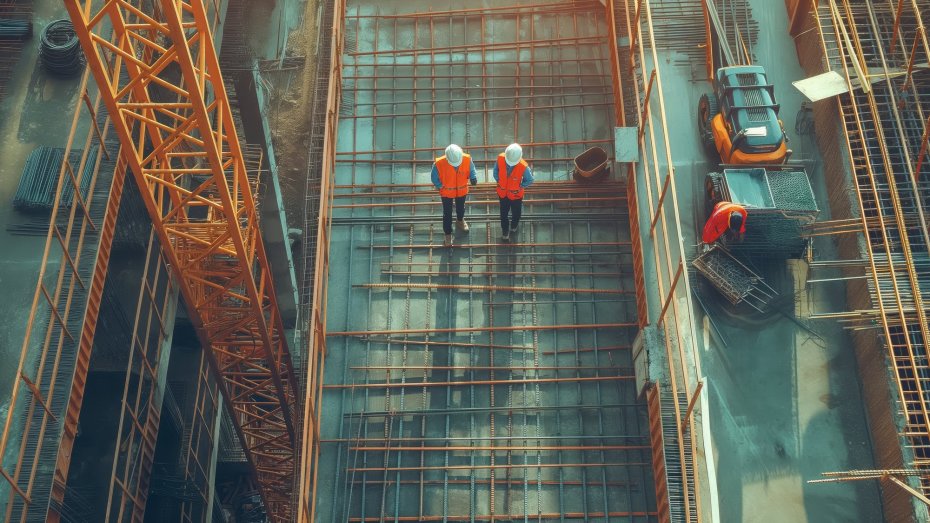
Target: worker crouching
513	175
451	175
727	221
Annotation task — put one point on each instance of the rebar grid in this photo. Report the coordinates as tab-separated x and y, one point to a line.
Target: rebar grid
490	385
886	140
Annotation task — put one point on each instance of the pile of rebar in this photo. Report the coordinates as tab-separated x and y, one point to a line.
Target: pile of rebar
36	191
15	29
17	13
740	27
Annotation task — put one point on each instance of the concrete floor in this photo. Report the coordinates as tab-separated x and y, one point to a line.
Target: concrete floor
598	418
784	401
36	111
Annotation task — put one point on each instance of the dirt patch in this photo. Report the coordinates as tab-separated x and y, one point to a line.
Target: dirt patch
289	114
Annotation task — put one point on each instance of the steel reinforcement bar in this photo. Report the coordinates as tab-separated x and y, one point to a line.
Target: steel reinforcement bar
47	395
503	393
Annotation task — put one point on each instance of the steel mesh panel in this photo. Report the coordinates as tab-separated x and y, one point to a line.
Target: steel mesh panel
728	276
791	190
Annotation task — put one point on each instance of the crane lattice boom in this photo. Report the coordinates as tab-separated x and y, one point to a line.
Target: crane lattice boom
161	82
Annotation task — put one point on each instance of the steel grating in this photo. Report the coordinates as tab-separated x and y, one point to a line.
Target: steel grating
730	277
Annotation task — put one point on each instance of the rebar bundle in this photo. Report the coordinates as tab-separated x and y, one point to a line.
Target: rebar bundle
15	29
60	50
15	13
36	191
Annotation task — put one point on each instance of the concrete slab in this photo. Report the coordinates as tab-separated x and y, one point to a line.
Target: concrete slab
489	369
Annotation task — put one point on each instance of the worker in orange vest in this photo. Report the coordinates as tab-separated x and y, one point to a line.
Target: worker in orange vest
451	174
726	218
513	175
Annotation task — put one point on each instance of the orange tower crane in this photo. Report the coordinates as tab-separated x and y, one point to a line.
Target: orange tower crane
156	65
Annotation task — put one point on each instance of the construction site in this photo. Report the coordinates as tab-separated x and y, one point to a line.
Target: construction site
233	290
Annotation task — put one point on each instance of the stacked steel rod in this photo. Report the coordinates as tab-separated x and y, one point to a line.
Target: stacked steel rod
16	29
485	382
37	186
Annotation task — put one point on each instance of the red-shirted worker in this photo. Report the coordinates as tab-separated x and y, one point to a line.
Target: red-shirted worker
726	218
513	175
451	174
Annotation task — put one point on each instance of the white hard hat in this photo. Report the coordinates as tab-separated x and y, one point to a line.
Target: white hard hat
513	154
454	155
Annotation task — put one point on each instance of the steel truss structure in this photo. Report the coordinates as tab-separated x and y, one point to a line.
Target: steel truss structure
160	80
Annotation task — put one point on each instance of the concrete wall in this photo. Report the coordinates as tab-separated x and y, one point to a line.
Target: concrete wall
252	107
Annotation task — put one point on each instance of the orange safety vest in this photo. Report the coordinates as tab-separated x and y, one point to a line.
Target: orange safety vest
509	186
719	221
454	180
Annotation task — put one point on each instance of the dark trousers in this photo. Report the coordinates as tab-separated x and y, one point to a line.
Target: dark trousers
509	206
447	212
